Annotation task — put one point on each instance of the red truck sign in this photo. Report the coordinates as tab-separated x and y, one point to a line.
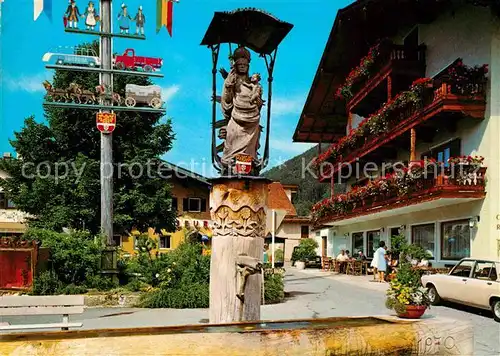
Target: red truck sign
128	60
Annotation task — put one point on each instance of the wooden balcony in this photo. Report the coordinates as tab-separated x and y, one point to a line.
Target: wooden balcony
394	70
442	106
421	194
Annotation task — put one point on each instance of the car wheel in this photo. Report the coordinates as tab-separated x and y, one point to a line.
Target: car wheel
434	297
495	308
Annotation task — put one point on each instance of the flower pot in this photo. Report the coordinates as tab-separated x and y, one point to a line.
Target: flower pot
413	312
300	264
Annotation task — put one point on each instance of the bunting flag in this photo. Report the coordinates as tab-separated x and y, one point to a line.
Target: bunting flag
164	12
40	6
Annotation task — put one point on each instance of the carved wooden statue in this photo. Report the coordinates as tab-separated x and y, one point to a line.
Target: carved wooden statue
241	103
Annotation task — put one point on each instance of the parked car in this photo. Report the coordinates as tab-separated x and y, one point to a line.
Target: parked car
473	282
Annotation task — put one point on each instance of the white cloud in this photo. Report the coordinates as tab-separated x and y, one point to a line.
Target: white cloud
30	84
168	93
287	105
290	147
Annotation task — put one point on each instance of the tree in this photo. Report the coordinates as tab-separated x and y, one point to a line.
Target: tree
57	179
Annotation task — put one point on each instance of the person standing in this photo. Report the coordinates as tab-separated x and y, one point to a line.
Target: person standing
73	14
124	19
379	259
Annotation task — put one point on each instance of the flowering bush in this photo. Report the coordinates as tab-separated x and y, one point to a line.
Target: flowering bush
362	71
406	289
469	160
467	80
403	182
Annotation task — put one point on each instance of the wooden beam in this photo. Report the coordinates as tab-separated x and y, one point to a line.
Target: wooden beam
413	137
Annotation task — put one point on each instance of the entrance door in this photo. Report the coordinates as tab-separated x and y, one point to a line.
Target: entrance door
323	246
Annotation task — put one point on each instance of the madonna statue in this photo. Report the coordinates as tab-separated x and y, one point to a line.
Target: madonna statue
241	103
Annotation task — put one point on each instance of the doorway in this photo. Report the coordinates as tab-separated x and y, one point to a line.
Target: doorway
324	244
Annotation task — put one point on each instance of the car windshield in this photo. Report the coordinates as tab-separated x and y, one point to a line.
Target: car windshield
463	269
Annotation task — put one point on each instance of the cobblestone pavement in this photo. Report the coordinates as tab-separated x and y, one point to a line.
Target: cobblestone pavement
310	294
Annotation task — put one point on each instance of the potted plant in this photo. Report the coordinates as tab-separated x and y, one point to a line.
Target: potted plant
304	252
406	295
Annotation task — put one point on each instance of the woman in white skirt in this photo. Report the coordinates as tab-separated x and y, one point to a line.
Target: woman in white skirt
379	262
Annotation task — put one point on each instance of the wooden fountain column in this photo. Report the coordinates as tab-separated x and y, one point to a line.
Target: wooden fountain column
238	209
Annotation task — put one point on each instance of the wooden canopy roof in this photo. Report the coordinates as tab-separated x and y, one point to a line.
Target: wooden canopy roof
249	27
356	28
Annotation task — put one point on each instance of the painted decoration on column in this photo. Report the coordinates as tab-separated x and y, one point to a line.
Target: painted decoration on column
106	122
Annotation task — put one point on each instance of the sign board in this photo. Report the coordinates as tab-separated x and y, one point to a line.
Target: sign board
243	164
106	122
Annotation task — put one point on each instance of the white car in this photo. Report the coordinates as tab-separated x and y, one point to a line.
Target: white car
473	282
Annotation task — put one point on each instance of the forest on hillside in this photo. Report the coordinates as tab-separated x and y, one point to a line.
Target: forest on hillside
294	171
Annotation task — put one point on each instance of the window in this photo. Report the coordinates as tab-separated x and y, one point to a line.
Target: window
357	242
463	269
195	205
423	236
455	240
117	240
373	239
5	202
304	231
485	271
443	152
165	241
174	204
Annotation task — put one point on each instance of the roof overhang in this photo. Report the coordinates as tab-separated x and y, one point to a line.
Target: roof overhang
356	28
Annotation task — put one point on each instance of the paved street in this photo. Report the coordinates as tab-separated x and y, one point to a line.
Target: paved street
311	294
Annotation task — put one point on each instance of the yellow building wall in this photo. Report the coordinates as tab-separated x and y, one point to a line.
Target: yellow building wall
181	188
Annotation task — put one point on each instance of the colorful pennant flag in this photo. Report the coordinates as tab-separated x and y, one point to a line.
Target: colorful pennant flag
40	6
164	12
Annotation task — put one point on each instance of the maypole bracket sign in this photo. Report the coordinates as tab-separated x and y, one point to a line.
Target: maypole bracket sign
106	122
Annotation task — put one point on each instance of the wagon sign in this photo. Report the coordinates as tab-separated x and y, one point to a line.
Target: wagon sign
143	94
106	122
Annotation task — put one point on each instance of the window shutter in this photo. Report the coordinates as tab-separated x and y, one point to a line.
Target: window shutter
185	204
203	204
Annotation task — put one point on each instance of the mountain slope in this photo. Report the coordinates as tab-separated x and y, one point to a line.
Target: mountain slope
299	171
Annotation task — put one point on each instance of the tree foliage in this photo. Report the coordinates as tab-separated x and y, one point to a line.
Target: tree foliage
57	198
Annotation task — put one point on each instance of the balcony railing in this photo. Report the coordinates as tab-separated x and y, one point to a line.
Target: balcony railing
426	99
382	60
395	191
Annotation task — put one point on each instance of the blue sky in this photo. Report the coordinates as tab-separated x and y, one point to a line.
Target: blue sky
187	67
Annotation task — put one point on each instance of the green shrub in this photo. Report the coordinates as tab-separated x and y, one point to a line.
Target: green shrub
101	283
186	296
274	288
74	257
279	255
306	250
46	283
72	289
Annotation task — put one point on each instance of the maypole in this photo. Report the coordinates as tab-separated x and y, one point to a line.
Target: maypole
104	100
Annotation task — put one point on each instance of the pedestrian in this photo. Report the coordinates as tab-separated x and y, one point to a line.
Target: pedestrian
379	259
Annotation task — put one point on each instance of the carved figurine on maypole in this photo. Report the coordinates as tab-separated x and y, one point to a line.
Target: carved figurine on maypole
72	15
91	17
140	20
124	19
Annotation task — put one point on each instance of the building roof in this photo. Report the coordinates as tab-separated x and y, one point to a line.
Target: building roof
183	173
356	28
277	199
297	219
290	186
